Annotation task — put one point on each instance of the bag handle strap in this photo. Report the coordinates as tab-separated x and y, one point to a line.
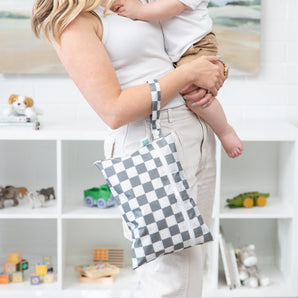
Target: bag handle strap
154	118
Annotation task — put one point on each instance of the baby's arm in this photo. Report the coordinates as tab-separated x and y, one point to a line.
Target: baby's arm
158	10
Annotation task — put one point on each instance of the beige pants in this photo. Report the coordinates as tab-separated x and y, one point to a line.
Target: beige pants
207	46
179	274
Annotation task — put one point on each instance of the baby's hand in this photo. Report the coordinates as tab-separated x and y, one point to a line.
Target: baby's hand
129	8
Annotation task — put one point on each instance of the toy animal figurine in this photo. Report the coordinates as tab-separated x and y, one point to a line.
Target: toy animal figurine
21	105
47	192
36	199
248	199
8	193
23	191
247	266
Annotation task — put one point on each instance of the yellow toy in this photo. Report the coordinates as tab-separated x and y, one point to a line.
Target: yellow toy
41	269
15	258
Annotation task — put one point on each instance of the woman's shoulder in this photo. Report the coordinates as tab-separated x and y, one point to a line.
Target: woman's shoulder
86	21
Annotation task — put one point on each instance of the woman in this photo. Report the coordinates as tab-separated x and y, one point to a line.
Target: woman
110	58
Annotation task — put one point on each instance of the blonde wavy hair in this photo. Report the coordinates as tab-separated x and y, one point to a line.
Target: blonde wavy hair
51	17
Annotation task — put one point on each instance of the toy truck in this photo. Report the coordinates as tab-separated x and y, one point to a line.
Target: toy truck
99	196
248	199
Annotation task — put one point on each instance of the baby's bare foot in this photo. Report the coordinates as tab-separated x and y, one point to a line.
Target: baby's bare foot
231	142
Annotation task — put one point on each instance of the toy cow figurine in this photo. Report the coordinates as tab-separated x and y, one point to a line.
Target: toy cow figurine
47	192
8	193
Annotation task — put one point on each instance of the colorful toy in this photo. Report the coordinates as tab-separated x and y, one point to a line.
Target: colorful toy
8	193
35	279
48	278
20	105
23	265
15	258
99	196
17	277
47	192
97	270
9	268
113	256
248	199
249	273
14	269
23	191
44	272
41	269
4	278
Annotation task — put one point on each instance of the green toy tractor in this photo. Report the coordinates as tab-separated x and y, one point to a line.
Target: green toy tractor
99	196
248	199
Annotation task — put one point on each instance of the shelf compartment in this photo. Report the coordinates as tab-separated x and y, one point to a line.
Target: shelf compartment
265	167
80	237
274	208
273	239
32	171
34	238
278	287
79	174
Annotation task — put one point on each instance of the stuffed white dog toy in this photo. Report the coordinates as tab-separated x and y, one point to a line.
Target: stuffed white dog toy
21	105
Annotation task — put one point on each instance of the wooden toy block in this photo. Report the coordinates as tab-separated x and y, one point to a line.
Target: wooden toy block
35	279
41	269
100	254
17	277
4	279
50	270
15	258
48	278
113	256
97	270
101	280
23	265
9	268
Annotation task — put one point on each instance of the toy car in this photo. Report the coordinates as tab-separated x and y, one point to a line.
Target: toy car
248	199
99	196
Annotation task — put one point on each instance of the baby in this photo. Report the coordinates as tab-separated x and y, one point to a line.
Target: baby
187	27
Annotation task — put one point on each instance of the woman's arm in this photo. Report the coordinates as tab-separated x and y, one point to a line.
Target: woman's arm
90	67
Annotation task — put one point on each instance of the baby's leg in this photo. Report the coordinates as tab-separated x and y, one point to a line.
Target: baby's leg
214	115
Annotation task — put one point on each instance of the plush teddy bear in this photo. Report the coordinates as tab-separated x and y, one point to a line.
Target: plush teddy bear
20	105
249	273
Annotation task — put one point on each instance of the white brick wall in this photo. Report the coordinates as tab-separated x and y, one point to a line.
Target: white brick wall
273	94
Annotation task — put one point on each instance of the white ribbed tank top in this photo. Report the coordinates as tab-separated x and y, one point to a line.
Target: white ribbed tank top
136	49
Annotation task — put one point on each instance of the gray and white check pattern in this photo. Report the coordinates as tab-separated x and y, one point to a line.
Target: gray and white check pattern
151	189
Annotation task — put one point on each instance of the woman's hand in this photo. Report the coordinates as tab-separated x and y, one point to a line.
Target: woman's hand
196	96
206	73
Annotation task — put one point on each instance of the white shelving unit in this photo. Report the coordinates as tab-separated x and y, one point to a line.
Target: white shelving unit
66	229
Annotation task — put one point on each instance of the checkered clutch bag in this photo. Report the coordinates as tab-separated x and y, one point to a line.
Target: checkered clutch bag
151	189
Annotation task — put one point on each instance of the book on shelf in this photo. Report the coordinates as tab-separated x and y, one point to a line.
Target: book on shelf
229	263
234	266
19	122
224	257
15	118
